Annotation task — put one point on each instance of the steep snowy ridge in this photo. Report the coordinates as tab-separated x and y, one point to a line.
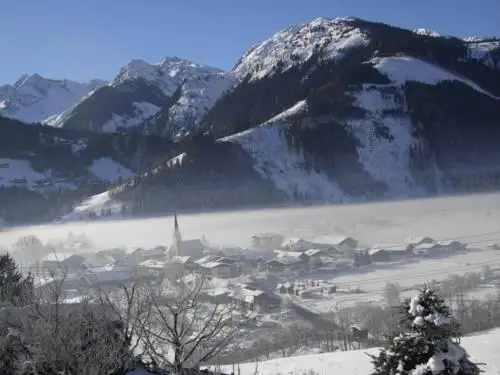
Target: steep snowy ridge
168	74
196	97
274	159
142	94
35	99
293	46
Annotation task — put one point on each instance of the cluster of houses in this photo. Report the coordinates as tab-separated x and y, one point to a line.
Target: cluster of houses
270	254
414	247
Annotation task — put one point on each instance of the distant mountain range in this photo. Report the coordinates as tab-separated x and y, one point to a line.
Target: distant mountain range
336	110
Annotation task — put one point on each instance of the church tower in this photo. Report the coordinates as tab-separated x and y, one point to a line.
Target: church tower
177	239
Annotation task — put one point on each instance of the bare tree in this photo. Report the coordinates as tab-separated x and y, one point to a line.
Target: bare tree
184	331
55	337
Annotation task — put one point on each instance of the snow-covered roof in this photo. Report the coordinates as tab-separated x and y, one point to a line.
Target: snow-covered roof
153	263
426	246
181	259
212	265
448	242
288	254
109	274
416	240
285	260
333	239
391	247
98	260
207	259
313	252
240	292
59	257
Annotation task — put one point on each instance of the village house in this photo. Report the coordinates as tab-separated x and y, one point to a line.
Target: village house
452	245
315	256
427	249
97	260
378	254
416	241
109	277
288	260
153	268
343	243
267	241
118	254
62	262
254	299
219	269
185	263
156	253
385	253
296	244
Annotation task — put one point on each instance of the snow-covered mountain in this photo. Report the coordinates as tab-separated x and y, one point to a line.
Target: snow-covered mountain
178	91
328	38
44	169
339	110
34	99
192	100
334	110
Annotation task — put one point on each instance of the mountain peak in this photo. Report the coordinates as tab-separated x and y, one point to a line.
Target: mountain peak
166	74
29	79
33	98
329	37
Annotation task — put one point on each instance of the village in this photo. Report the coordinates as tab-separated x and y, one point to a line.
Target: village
257	278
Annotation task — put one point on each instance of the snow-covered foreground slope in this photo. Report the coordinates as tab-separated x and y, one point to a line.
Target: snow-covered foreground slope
482	347
35	99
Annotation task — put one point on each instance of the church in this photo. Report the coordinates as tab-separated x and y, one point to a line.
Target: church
184	248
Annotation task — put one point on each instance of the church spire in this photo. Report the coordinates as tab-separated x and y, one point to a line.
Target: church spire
177	243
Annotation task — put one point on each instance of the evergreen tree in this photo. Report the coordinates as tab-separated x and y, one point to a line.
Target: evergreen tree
14	288
428	341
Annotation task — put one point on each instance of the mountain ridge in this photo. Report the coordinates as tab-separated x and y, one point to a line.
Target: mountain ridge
335	110
33	98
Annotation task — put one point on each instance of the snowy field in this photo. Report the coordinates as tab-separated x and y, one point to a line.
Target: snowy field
372	279
483	348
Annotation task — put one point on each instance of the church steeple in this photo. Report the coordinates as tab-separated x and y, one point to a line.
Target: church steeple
176	224
177	239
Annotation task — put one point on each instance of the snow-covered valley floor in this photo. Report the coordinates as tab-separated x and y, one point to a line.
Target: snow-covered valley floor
470	218
482	347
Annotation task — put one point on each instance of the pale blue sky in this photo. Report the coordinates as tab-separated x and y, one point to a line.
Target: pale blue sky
84	39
